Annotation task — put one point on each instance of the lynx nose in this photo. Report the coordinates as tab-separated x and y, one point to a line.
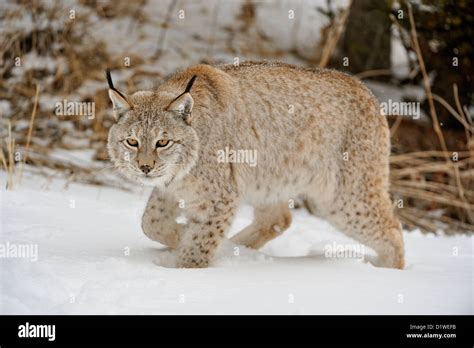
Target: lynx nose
145	169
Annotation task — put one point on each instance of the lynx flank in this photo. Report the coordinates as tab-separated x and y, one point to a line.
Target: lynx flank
211	138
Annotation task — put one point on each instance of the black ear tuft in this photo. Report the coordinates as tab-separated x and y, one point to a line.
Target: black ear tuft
109	79
190	84
111	84
187	90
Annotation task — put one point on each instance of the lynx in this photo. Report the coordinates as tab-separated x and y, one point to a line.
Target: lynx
314	133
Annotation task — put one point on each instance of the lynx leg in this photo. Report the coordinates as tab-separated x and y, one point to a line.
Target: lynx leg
209	219
159	220
370	221
269	222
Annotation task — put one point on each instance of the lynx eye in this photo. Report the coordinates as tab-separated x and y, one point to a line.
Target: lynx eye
132	142
162	142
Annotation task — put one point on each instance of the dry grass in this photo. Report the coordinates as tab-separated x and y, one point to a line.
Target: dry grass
30	133
8	158
426	183
333	35
437	185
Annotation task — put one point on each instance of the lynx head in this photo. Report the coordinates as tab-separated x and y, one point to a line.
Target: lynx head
152	141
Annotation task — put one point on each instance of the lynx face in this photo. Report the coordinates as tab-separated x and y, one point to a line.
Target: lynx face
152	149
152	142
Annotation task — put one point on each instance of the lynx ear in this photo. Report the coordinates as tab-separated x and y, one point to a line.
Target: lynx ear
119	100
183	104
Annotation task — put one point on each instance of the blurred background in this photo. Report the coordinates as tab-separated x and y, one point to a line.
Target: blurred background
411	54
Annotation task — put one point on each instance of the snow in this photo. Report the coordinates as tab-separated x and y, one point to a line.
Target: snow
92	258
400	64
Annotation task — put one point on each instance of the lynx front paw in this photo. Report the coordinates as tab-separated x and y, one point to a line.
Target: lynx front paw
192	259
193	263
168	238
166	258
171	259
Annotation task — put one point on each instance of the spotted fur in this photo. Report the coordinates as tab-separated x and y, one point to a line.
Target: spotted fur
318	135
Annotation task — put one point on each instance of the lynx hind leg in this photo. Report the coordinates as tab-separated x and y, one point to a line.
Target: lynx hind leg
270	221
159	220
368	218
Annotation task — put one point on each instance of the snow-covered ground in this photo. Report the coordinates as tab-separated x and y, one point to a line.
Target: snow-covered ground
92	258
